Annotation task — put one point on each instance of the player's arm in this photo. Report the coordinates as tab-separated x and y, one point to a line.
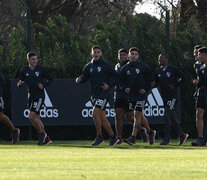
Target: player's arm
114	78
85	75
180	76
123	80
200	79
21	79
155	75
149	79
47	78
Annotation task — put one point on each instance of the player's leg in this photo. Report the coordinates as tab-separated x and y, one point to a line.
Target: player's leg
5	120
98	107
137	106
169	109
145	128
118	122
119	112
200	111
137	123
105	123
107	126
151	133
182	136
97	121
167	127
199	121
35	107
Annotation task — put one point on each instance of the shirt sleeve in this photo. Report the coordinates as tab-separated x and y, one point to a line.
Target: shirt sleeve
85	74
114	77
180	76
47	78
21	75
149	78
156	78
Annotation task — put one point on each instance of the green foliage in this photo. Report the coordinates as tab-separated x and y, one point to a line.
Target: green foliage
16	55
61	51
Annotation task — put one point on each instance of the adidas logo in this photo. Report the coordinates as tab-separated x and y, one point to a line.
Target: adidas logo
87	112
154	105
47	111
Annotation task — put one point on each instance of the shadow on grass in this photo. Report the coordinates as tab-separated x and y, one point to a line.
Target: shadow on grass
87	144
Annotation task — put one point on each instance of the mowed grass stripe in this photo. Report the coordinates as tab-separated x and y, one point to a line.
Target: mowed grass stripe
79	160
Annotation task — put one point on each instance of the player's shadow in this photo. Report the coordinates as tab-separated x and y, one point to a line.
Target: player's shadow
139	145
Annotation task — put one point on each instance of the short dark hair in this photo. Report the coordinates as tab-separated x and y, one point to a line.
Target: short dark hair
30	54
122	50
96	47
202	50
198	47
133	49
164	54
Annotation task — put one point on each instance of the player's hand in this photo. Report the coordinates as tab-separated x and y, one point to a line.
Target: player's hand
142	91
171	87
153	84
20	83
127	90
40	86
195	81
78	79
105	86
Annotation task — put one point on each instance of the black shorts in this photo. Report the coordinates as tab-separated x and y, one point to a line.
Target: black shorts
35	104
99	103
1	104
201	102
122	103
137	105
170	103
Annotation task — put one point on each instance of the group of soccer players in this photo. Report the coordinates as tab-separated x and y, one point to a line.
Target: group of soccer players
133	81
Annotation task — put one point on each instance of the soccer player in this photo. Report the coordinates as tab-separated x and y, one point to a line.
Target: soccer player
4	119
121	103
200	109
202	91
37	78
137	79
102	78
168	78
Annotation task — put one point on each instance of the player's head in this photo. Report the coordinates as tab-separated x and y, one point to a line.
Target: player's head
96	52
195	51
32	58
202	54
163	59
122	55
133	53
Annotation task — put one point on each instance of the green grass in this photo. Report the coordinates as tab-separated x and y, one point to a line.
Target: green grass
79	160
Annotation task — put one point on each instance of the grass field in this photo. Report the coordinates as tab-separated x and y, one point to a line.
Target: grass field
79	160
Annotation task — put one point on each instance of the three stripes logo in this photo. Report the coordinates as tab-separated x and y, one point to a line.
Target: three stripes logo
154	105
87	112
47	111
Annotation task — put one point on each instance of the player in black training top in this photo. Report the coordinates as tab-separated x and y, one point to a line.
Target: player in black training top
200	107
37	78
121	103
4	119
202	90
102	78
136	79
168	78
